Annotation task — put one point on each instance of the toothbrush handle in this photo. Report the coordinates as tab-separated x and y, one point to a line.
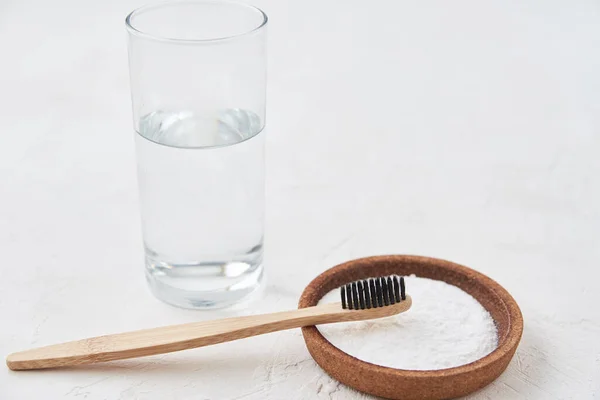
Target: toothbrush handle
180	337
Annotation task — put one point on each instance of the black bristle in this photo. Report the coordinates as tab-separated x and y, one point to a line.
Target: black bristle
386	299
396	289
355	296
373	293
379	292
391	292
402	289
361	295
349	296
367	294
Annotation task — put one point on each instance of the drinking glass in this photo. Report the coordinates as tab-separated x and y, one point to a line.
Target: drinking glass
198	79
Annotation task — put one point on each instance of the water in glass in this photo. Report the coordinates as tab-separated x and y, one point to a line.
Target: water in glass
201	178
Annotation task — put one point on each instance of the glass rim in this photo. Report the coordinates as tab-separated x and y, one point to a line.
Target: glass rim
133	30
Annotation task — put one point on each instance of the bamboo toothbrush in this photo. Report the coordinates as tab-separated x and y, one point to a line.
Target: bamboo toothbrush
360	300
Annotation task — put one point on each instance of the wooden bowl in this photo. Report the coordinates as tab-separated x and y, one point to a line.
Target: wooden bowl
394	383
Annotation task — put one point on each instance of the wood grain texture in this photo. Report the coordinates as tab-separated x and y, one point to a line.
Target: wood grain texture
181	337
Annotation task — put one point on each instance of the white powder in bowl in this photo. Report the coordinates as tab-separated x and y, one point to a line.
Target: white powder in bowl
445	327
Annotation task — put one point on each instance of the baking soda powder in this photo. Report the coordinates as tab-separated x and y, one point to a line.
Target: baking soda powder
445	327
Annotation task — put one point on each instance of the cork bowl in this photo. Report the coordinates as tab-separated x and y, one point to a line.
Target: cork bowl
394	383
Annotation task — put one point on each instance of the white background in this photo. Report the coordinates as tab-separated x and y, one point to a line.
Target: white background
464	130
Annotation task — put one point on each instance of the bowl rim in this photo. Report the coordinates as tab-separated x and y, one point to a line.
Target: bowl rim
422	384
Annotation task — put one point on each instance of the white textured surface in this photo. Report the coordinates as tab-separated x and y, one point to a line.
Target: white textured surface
465	130
445	328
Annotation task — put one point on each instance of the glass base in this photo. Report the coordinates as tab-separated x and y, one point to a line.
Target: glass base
207	285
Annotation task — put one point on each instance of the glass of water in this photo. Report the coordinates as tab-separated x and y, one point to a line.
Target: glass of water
198	79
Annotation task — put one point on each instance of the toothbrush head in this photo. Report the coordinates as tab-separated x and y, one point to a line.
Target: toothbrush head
373	293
